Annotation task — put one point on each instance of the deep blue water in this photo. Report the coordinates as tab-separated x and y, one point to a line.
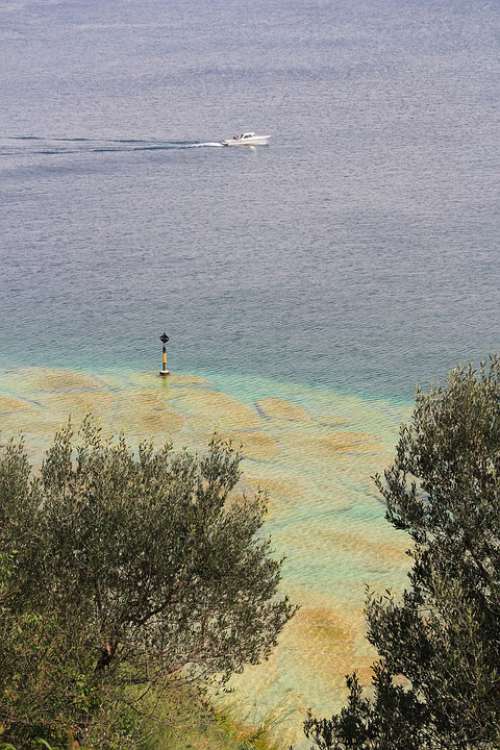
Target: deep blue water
359	251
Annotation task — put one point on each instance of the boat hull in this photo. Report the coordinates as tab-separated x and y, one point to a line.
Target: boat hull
257	140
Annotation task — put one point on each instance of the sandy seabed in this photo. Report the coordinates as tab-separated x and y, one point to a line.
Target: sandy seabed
314	451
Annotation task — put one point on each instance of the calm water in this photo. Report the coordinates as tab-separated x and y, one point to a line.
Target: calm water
359	251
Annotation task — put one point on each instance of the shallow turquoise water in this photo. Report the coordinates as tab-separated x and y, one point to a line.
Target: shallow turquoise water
312	449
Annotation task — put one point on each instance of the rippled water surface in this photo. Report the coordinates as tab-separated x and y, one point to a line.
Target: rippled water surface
360	250
313	283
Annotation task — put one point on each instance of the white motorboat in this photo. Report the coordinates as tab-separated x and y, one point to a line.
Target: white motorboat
247	139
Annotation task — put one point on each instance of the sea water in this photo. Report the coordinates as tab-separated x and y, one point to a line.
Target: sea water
333	271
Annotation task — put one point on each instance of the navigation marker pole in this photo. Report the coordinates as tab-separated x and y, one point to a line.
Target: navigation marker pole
164	371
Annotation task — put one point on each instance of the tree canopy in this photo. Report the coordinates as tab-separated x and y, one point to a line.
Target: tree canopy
126	570
436	683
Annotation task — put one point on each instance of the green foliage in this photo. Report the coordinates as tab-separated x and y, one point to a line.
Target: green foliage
436	685
125	573
184	722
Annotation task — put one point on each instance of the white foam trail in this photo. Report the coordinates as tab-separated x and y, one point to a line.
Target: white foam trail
52	146
204	145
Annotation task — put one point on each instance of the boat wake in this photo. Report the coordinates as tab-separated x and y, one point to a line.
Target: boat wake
32	145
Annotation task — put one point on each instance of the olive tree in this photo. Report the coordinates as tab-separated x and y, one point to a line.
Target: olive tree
436	684
160	570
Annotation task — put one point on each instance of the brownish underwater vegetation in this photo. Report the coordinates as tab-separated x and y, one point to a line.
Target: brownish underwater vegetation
313	456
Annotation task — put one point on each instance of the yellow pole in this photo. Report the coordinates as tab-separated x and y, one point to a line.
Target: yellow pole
164	339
